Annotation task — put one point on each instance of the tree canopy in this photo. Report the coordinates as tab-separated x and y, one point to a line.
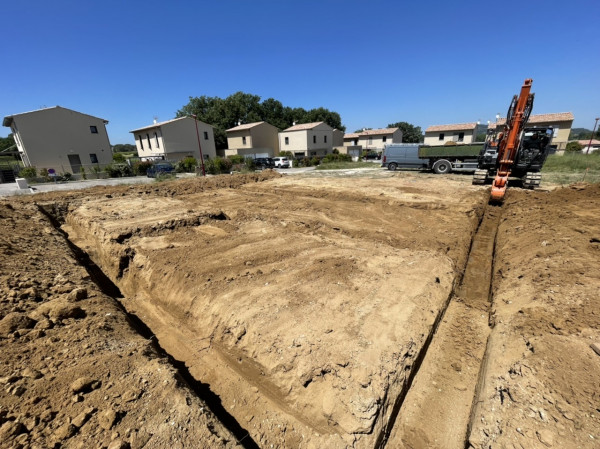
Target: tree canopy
6	142
410	133
224	113
124	148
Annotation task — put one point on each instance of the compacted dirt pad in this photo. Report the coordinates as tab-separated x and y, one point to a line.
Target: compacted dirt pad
392	310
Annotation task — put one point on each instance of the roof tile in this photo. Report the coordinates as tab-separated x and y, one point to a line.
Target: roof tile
453	127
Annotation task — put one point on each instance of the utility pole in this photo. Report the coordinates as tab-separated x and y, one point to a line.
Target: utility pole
591	138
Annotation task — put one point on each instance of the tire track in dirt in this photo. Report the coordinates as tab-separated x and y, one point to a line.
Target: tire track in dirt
437	408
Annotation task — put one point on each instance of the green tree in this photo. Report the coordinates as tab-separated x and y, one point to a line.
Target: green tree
124	148
410	133
7	142
573	147
242	107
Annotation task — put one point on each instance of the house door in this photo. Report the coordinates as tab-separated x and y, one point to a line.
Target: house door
75	162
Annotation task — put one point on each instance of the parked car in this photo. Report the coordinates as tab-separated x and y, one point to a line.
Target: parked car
160	168
262	163
372	155
281	162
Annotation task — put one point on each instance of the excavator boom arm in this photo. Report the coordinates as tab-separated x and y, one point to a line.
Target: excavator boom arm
507	148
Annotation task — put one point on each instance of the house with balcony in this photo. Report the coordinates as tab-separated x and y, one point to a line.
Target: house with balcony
458	133
561	123
60	139
258	139
307	139
175	140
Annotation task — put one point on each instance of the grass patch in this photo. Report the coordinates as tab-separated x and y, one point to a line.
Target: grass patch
572	167
347	165
576	162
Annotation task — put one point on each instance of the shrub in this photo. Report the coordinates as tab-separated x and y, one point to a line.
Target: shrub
218	165
118	170
29	173
315	161
236	159
250	164
119	157
304	162
186	165
140	168
573	147
67	176
336	151
336	157
82	171
287	154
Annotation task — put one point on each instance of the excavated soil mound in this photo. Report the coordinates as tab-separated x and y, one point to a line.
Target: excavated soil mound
269	311
303	304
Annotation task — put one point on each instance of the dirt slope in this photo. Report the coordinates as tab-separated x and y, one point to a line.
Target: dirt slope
541	379
74	372
304	304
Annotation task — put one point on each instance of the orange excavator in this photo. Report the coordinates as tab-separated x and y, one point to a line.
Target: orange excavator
517	152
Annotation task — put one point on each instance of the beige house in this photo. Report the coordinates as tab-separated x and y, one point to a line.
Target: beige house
351	139
307	139
60	139
338	138
259	139
174	140
457	133
561	122
376	139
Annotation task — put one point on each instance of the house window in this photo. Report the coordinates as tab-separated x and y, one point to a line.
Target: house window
287	140
314	139
370	141
93	129
313	153
141	142
93	158
441	136
324	139
205	135
243	140
384	138
461	137
156	138
355	142
149	143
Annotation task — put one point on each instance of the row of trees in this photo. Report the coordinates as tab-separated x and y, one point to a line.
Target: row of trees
224	113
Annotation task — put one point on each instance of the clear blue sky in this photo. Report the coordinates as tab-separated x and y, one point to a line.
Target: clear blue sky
374	62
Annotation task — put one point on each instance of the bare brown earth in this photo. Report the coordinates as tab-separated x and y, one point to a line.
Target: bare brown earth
322	311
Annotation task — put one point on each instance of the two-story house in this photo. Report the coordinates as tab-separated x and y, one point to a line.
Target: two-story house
60	139
456	133
376	139
307	139
175	139
561	122
258	139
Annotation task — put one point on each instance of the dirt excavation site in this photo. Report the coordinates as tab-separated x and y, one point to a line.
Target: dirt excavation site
347	310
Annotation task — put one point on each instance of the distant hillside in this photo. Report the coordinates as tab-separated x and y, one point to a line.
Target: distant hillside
582	134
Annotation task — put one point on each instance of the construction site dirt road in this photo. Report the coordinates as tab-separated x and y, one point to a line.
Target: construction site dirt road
356	309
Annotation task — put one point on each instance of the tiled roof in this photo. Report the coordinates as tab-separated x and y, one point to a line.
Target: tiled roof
245	126
544	118
379	132
454	127
154	125
351	136
8	119
586	142
303	126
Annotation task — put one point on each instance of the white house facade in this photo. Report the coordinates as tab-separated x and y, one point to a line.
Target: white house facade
307	139
60	139
175	139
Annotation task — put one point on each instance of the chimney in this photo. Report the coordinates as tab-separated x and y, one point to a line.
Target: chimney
155	119
239	122
293	123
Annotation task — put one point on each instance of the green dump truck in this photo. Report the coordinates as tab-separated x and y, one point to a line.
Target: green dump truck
440	159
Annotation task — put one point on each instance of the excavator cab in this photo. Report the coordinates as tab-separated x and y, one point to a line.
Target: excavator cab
533	150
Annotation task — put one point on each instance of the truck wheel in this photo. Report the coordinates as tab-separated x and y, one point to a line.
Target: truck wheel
392	166
442	167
